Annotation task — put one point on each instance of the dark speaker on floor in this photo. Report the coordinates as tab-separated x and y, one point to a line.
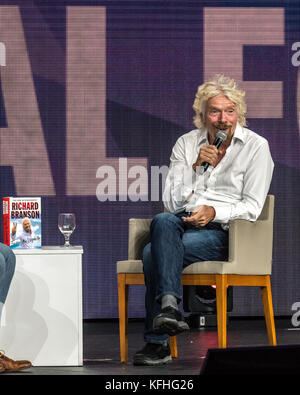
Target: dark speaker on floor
200	301
252	360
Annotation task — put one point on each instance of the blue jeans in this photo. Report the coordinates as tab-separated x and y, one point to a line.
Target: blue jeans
175	245
7	269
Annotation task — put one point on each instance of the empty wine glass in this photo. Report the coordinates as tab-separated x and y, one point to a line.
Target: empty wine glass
66	224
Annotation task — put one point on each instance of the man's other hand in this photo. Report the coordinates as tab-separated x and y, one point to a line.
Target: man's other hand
201	216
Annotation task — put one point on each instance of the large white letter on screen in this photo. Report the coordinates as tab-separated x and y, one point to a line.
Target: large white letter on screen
22	143
226	30
86	100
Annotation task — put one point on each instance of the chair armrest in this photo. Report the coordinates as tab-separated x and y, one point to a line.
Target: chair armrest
139	236
251	244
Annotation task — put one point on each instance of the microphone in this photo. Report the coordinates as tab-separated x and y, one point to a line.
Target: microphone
220	137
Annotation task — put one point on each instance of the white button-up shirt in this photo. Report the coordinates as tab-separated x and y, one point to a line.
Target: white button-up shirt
236	187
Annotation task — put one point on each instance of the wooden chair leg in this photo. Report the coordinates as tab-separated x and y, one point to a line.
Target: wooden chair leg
173	346
221	299
268	310
123	316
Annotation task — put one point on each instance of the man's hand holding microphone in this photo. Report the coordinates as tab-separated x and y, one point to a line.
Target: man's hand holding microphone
208	155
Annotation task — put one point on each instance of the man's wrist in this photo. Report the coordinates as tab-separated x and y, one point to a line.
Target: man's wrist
195	165
213	211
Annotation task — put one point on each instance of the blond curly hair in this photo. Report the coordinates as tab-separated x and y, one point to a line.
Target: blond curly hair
219	84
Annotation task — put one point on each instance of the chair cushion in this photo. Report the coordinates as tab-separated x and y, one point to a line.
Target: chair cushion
136	266
130	266
207	267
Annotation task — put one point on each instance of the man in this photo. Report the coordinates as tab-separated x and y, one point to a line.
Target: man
200	206
26	237
7	268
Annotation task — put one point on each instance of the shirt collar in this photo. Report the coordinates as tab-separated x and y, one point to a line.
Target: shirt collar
202	136
239	134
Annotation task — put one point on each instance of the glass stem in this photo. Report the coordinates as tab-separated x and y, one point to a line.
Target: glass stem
67	241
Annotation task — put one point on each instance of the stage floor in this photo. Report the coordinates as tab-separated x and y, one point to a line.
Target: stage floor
102	355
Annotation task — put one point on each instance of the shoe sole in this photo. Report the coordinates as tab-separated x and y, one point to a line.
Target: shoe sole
144	361
172	327
16	370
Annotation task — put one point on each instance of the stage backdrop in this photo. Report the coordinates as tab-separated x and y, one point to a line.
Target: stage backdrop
94	95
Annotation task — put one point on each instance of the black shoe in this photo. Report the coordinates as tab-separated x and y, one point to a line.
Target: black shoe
169	321
152	355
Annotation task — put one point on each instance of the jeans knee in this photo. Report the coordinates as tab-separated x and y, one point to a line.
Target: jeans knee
2	266
12	263
163	219
10	259
7	264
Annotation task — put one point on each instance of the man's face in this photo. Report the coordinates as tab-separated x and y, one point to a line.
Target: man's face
221	114
27	225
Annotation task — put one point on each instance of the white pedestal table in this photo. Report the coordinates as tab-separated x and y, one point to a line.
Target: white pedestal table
42	316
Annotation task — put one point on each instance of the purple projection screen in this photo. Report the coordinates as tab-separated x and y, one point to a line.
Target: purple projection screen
93	91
